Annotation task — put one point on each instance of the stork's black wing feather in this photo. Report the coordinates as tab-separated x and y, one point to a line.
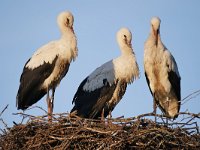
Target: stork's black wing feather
175	81
30	84
89	104
147	79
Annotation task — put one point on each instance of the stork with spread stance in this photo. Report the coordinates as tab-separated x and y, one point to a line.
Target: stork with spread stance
161	73
48	65
101	91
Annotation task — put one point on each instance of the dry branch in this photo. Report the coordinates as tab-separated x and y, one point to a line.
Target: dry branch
67	132
72	132
3	110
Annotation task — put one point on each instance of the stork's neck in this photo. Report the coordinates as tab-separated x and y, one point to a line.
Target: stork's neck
152	41
126	66
68	39
67	33
126	51
68	36
152	35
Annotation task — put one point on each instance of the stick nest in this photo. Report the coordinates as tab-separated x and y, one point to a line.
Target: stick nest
66	132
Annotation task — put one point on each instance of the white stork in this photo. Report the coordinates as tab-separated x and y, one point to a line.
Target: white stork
161	73
48	65
100	92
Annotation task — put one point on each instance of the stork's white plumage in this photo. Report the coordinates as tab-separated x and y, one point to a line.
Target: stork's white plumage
105	86
162	73
48	65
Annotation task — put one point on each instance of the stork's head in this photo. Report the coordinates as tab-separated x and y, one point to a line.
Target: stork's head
124	37
65	20
155	23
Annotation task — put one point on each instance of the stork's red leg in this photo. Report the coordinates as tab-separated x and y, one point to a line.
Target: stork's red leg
102	115
49	105
110	115
154	109
109	118
52	99
168	110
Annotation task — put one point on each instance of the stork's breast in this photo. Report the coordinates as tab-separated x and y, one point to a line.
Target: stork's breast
160	78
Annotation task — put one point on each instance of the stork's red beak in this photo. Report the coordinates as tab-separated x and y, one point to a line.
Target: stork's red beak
156	33
72	29
128	43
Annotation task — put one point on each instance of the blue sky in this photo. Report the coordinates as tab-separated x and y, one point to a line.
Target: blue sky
27	25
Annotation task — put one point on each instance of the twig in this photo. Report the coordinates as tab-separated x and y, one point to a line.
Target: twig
3	110
23	114
5	125
94	130
190	114
39	108
190	96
